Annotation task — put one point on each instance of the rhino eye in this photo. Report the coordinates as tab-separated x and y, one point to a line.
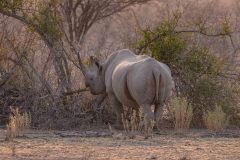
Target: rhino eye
91	79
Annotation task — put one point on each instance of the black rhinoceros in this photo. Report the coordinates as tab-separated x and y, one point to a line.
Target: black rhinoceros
130	80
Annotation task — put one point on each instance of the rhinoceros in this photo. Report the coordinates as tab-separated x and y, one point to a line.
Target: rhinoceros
130	80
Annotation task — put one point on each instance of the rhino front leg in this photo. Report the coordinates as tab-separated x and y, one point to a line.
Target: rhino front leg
99	100
118	109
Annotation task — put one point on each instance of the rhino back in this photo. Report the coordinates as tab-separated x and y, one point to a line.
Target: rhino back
112	62
136	82
142	81
131	78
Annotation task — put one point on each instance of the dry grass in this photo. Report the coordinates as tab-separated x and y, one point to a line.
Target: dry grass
181	112
17	123
215	120
11	129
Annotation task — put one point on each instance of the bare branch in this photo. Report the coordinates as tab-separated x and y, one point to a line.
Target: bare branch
141	48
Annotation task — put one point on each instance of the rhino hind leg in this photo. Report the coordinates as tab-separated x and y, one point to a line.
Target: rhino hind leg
158	111
118	109
149	119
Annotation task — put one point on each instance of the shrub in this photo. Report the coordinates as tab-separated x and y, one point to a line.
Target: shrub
17	123
181	112
198	74
11	129
215	120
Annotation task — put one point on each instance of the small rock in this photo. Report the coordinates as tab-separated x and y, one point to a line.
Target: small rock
152	157
184	158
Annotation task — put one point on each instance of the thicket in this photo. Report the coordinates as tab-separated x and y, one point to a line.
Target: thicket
199	74
40	57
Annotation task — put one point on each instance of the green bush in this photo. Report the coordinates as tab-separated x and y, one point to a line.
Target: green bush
197	72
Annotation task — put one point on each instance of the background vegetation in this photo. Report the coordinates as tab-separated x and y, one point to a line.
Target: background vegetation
200	75
42	42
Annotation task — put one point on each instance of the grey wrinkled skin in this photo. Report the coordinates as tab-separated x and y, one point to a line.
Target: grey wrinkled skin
131	80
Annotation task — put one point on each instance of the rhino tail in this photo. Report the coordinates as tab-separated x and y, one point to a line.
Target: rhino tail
157	76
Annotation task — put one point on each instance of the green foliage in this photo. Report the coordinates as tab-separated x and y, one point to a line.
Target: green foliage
199	61
171	48
226	28
167	45
211	91
48	20
12	5
44	18
195	70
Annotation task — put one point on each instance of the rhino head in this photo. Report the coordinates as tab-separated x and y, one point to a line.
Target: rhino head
94	77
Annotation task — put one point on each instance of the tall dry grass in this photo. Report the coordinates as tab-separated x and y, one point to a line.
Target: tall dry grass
215	120
181	112
17	123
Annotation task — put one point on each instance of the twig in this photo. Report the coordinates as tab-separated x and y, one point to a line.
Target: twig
74	92
66	93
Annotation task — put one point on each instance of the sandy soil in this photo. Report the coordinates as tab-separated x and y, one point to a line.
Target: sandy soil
64	145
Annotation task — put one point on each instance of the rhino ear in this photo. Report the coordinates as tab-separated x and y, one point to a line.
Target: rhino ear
94	61
97	64
100	69
91	59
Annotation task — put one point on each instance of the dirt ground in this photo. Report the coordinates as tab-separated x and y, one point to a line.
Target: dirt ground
95	145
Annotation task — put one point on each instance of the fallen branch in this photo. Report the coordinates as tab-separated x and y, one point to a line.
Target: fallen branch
65	93
74	92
